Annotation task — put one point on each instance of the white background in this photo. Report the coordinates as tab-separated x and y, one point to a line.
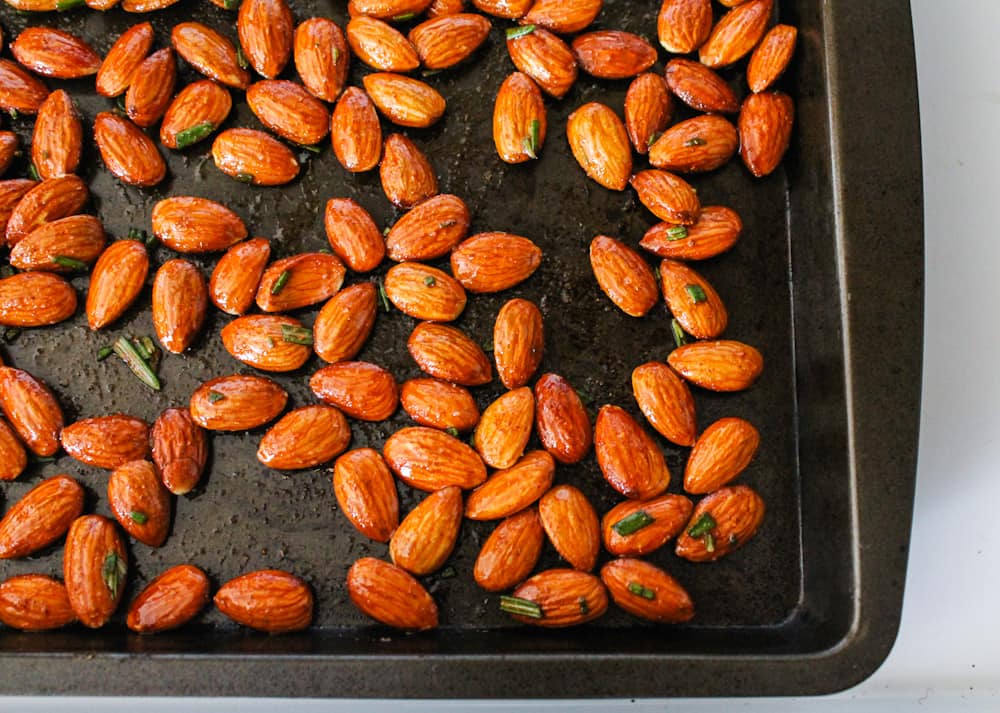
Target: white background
947	656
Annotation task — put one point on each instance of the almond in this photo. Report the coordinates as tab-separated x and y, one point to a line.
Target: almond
128	154
519	123
366	493
699	87
44	202
512	490
380	45
446	40
505	427
424	292
722	365
54	53
430	231
254	157
34	602
564	597
209	53
95	566
287	109
429	459
268	342
356	132
407	176
518	342
390	595
321	57
79	238
353	235
19	91
115	282
563	16
123	59
265	29
507	9
9	146
722	452
13	459
31	409
765	127
180	450
439	404
152	88
343	325
571	524
171	600
736	34
665	401
40	517
267	600
715	232
426	537
510	553
196	111
299	281
546	59
11	193
667	196
132	5
361	390
139	502
403	100
646	591
448	353
771	57
682	26
493	262
722	522
237	403
188	224
305	438
106	441
600	145
439	8
613	54
58	137
702	143
388	8
638	527
692	300
623	276
35	299
648	107
180	299
629	458
563	425
237	275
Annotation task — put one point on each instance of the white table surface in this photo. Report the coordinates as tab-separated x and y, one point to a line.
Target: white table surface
947	656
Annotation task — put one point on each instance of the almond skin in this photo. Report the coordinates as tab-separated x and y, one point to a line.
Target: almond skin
765	128
321	57
305	438
659	598
265	29
699	87
58	137
35	299
665	401
563	16
383	9
13	458
702	143
545	58
11	192
380	45
770	60
519	107
139	502
629	458
32	410
343	325
510	553
512	490
505	427
287	109
40	517
258	340
667	196
736	34
356	132
424	292
180	300
54	53
254	157
127	152
267	600
648	107
722	365
246	402
737	512
722	452
237	275
570	522
366	493
19	90
95	565
493	262
439	404
390	595
623	276
188	224
518	342
107	441
180	450
445	41
448	353
430	231
79	237
34	602
123	59
669	514
312	278
403	100
692	300
45	202
115	282
361	390
716	231
429	459
426	537
600	145
152	88
507	9
353	235
407	176
196	111
562	421
682	26
567	597
613	54
209	53
171	600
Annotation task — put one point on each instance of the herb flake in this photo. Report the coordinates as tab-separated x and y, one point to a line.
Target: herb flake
533	139
680	337
139	518
677	232
215	397
696	141
70	263
430	281
520	607
641	591
113	572
703	526
104	352
245	178
696	293
633	523
383	297
297	335
280	283
139	366
514	32
193	134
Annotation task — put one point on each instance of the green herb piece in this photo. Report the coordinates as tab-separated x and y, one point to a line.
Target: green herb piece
452	431
653	138
33	172
42	459
680	338
193	134
113	572
120	104
245	178
584	607
139	518
705	524
696	293
430	281
488	346
64	5
231	4
696	141
641	591
138	234
71	263
126	350
678	232
448	572
104	352
514	32
311	148
533	139
280	283
147	344
430	72
404	17
141	350
334	55
657	274
297	335
383	297
709	542
215	397
633	523
241	59
14	113
521	607
585	397
11	334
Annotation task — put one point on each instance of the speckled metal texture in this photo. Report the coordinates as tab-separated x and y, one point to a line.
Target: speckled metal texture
826	281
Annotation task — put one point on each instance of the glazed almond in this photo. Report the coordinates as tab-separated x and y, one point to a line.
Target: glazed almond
152	88
613	54
493	262
361	390
287	109
123	59
518	342
321	57
448	353
299	281
716	231
563	16
40	517
237	403
13	458
196	111
438	8
390	595
699	87
353	235
722	365
667	196
510	553
366	493
106	441
721	523
426	537
648	107
600	145
35	602
209	53
180	450
58	137
45	202
267	600
638	527
268	342
305	438
562	597
430	231
571	524
383	9
95	567
702	143
19	90
623	276
265	29
765	127
54	53
189	224
736	34
447	40
407	176
403	100
356	132
665	401
56	246
380	45
429	459
646	591
35	299
629	458
424	292
561	419
127	152
693	301
682	26
439	404
180	300
771	57
509	491
545	58
505	427
722	452
343	325
519	123
171	600
237	275
139	502
11	192
32	410
254	157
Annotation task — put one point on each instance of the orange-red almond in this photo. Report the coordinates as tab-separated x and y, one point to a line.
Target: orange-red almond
20	91
268	600
448	353
507	9
722	452
139	502
563	16
682	26
35	602
715	232
13	458
42	203
380	45
171	600
40	517
638	527
504	429
152	88
771	57
269	342
180	450
561	419
407	175
600	145
343	325
361	390
127	152
180	301
11	192
623	276
665	401
519	122
391	9
403	100
699	87
438	8
95	567
254	157
765	127
518	342
299	281
390	595
123	59
493	262
424	292
78	237
54	53
667	196
237	403
196	111
287	109
613	54
722	522
366	493
353	235
446	40
189	224
439	404
565	597
427	535
646	591
58	137
32	410
429	459
430	230
702	143
321	57
237	274
510	553
265	28
511	490
116	281
106	441
693	301
721	365
305	438
356	132
629	458
209	53
648	107
131	5
570	522
545	58
736	34
35	299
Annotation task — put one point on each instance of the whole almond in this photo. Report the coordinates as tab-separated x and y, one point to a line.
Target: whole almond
13	458
180	450
11	192
646	591
407	176
40	517
403	100
715	232
361	390
305	438
254	157
268	600
196	111
188	224
381	46
139	502
563	16
309	278
115	282
321	57
665	401
600	145
265	29
439	404
58	137
570	522
693	301
171	600
95	566
237	275
439	8
356	132
629	458
722	452
35	299
638	527
509	491
771	57
507	9
648	107
127	152
237	403
79	238
510	553
699	87
518	342
493	262
613	54
765	128
32	410
429	459
702	143
722	522
426	537
623	276
390	595
722	365
353	235
448	353
269	342
366	493
545	58
505	427
152	88
519	123
123	59
209	53
565	597
682	26
106	441
54	53
388	8
343	325
424	292
180	300
667	196
287	109
20	91
446	40
44	202
35	602
736	34
562	421
430	231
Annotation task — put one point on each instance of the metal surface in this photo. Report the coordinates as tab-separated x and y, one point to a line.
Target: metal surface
826	280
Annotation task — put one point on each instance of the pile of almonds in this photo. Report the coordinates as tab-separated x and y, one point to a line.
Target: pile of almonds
48	236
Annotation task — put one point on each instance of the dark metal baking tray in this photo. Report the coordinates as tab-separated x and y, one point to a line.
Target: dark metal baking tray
826	280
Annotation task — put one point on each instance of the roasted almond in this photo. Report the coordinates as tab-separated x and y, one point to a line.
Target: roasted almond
123	59
305	438
321	57
736	34
562	421
361	390
403	100
629	458
436	403
35	602
699	87
509	491
646	591
648	107
196	111
13	458
54	53
44	202
424	292
58	137
448	353
600	145
180	300
254	157
390	595
139	502
35	299
115	282
667	196
388	8
152	88
702	143
11	192
171	600
623	276
265	29
237	403
356	132
518	342
570	522
237	275
353	235
64	245
429	459
407	176
180	450
188	224
267	600
505	427
722	365
381	46
693	301
613	54
366	493
32	410
493	262
430	230
715	232
132	5
563	16
127	152
507	9
19	91
269	342
519	123
765	127
106	441
545	58
665	401
771	57
40	517
287	109
638	527
343	325
209	53
426	537
299	281
682	26
446	40
510	553
95	567
438	8
722	452
558	598
722	522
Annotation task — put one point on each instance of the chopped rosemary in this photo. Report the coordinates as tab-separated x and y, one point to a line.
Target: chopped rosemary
64	5
532	140
11	334
69	262
705	524
448	572
241	58
104	352
231	4
633	523
696	293
141	350
654	137
244	177
521	607
193	134
709	542
452	431
334	55
430	281
215	397
514	32
137	234
641	591
280	283
680	338
113	572
677	232
584	607
383	297
696	141
311	148
139	518
126	350
33	172
404	17
14	113
297	335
